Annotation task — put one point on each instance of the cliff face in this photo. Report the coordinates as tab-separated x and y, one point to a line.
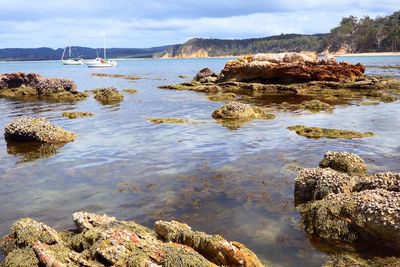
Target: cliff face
199	47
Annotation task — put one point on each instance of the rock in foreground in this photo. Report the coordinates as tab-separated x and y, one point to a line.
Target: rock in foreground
289	68
34	85
339	206
40	130
100	240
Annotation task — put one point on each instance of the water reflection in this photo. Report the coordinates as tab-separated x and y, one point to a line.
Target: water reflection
30	151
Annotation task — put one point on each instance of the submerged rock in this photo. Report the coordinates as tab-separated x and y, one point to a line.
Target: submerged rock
108	95
167	120
30	151
20	84
130	91
344	162
76	114
315	105
342	207
316	132
100	240
288	68
40	130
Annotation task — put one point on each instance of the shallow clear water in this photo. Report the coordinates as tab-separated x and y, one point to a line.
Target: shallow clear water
238	183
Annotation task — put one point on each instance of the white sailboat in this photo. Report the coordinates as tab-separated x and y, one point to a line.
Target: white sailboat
70	60
100	62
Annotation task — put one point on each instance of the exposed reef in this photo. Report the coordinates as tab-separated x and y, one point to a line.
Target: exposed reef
292	75
32	129
108	95
77	114
316	132
100	240
338	206
34	86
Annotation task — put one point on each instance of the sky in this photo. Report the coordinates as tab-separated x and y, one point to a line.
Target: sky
150	23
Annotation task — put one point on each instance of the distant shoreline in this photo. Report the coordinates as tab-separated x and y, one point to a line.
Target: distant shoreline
372	54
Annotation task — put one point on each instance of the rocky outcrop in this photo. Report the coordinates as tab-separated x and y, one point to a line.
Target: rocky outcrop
289	68
32	129
344	162
206	75
20	84
339	206
100	240
108	95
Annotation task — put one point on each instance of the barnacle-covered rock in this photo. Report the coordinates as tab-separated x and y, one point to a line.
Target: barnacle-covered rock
108	95
344	162
37	130
100	240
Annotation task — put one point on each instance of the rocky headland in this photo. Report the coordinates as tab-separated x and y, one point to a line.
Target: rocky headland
100	240
34	86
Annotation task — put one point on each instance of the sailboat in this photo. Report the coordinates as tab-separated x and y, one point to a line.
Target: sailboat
70	60
100	62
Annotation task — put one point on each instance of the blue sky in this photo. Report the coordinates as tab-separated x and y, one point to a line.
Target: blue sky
146	23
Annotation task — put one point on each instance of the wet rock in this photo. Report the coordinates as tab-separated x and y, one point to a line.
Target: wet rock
37	130
316	132
33	85
288	68
315	105
100	240
344	162
342	207
205	75
356	260
387	98
108	95
77	114
30	151
240	111
222	97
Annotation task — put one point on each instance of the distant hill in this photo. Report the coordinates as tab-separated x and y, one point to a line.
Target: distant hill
380	34
199	47
45	53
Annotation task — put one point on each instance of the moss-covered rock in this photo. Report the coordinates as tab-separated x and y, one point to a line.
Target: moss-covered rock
100	240
315	105
240	111
108	95
37	130
344	162
76	114
316	132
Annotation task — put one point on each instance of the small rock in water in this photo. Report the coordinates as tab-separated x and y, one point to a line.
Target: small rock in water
108	95
76	114
37	130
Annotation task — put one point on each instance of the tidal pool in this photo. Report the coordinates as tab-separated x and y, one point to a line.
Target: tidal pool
238	183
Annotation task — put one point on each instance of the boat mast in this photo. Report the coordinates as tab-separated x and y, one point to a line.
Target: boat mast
104	41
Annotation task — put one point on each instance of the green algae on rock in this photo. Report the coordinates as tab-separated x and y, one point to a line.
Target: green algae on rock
341	207
369	103
34	86
100	240
34	129
130	91
344	162
315	105
108	95
30	151
76	114
240	111
167	120
316	132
